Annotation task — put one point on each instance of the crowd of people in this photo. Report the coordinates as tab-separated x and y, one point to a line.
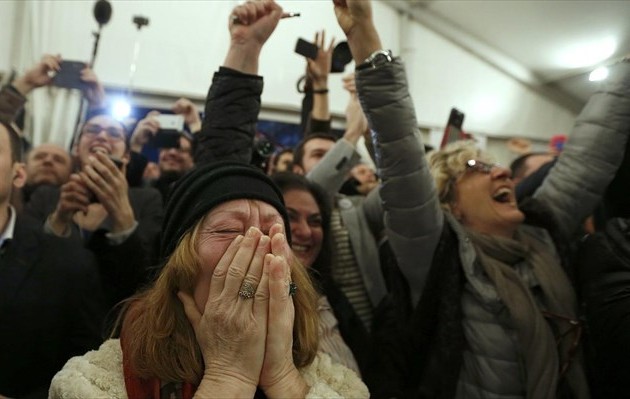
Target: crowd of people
444	275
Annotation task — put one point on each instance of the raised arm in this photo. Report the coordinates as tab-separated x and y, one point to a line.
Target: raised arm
332	171
233	101
413	218
13	96
317	71
593	153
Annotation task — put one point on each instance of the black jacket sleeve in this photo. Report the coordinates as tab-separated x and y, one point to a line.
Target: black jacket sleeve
229	122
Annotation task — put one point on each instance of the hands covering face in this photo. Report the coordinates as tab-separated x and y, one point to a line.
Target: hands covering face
248	336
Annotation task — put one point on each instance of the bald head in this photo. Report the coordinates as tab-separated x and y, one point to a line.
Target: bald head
48	164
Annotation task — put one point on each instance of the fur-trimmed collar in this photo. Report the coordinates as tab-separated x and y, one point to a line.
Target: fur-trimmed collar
99	374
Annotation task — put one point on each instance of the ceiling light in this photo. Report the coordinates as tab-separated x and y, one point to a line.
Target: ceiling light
588	54
598	74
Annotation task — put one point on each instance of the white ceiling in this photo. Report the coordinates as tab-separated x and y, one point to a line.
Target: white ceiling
534	41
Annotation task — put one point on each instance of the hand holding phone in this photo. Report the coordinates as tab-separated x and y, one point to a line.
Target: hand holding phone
306	49
453	131
170	130
69	75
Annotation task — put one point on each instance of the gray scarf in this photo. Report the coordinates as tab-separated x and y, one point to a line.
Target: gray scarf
542	356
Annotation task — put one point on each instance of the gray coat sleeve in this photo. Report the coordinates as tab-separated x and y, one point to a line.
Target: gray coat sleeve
592	155
333	169
412	214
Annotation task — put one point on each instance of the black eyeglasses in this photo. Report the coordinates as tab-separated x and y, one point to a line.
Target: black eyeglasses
575	329
480	166
113	133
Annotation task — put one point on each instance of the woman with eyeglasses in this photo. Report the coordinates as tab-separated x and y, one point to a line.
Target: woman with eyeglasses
96	208
493	310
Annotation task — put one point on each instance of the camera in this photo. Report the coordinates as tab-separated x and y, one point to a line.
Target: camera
263	149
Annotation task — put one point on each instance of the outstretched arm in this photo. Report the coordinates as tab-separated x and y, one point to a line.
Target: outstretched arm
13	96
233	101
317	72
593	153
334	168
408	192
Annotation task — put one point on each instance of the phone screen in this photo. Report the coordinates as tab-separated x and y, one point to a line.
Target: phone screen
170	122
453	131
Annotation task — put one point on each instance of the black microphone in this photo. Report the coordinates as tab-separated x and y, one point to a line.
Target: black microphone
102	12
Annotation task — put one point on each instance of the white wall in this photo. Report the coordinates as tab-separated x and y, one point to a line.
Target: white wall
187	40
7	16
443	75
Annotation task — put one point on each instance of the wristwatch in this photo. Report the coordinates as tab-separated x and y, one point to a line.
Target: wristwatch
377	58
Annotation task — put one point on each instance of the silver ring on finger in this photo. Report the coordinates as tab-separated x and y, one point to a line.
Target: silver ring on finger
247	291
292	288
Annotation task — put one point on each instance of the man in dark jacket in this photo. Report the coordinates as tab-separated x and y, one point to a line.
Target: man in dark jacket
604	279
51	303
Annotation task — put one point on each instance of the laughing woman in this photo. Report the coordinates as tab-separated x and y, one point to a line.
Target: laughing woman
495	314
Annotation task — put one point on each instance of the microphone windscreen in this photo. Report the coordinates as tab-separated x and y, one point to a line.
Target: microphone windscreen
102	12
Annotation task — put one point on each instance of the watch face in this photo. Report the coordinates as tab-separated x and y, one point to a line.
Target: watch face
377	58
381	59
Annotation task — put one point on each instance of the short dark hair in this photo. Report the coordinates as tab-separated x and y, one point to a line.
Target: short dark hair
298	153
518	165
15	141
281	153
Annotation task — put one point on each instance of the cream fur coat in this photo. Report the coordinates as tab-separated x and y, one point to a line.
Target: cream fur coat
99	374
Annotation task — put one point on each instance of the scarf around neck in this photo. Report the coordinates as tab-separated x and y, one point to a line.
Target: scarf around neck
542	356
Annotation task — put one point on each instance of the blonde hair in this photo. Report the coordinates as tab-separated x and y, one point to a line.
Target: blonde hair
160	341
448	164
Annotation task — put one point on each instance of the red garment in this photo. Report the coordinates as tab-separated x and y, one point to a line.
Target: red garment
140	388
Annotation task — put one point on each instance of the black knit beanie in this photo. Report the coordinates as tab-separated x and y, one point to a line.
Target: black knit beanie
207	186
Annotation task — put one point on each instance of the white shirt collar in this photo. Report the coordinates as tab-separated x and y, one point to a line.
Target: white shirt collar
7	234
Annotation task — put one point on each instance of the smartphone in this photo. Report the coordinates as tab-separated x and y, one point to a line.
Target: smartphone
168	136
69	75
453	131
117	161
119	164
170	122
307	49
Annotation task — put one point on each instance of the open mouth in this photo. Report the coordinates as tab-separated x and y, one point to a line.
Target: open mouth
503	196
97	148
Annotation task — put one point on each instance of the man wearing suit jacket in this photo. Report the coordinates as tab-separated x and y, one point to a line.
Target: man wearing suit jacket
51	302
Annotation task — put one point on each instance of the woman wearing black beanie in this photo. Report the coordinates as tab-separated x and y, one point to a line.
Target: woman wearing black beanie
231	313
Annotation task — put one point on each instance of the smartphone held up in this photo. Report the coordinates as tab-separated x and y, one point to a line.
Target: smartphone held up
69	75
306	49
453	131
168	136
